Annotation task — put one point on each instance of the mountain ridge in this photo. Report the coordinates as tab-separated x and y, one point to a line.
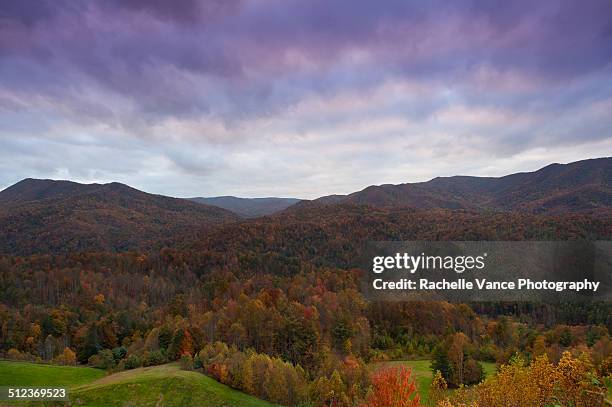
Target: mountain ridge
64	216
581	186
48	216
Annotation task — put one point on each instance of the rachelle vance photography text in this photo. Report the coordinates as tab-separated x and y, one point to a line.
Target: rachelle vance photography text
346	203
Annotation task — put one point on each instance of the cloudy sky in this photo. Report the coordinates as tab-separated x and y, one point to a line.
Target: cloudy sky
299	98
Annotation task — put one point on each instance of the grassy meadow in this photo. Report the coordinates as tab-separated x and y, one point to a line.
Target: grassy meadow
164	385
33	374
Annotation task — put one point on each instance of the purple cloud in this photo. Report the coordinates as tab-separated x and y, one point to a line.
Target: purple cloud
220	74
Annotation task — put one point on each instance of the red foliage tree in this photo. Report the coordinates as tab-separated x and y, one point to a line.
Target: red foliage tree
393	387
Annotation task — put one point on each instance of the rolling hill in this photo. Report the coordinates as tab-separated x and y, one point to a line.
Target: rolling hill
62	216
248	207
582	186
165	385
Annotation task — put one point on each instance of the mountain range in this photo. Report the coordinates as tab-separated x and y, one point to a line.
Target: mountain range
47	216
582	186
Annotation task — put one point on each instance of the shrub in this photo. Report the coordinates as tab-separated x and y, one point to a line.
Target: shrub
186	362
14	354
119	353
197	362
153	358
104	359
473	372
68	357
605	369
132	362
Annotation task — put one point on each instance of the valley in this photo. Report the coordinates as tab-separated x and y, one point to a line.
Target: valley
174	302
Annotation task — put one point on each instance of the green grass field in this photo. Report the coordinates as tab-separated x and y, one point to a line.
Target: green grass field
423	375
164	385
32	374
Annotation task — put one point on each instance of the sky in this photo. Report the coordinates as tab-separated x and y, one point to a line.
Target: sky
299	98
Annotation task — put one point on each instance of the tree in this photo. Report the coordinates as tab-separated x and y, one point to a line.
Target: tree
456	355
178	306
571	382
186	362
132	362
437	388
102	360
453	358
67	357
165	337
14	354
330	391
565	339
472	371
119	353
341	333
579	386
51	347
539	346
393	387
153	358
441	363
502	333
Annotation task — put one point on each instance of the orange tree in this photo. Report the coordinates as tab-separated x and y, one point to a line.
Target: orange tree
393	387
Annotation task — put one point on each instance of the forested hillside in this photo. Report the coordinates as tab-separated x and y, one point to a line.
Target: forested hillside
44	216
118	279
281	295
334	235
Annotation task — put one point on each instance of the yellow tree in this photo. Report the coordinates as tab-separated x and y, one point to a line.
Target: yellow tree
438	387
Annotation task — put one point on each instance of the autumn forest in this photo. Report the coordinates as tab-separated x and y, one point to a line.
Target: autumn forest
272	307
